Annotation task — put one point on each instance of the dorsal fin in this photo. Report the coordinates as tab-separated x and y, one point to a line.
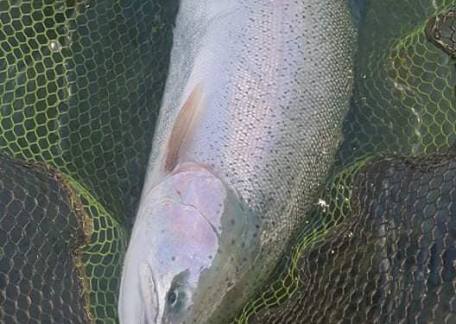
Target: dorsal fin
183	126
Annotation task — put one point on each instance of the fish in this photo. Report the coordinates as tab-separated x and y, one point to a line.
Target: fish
248	128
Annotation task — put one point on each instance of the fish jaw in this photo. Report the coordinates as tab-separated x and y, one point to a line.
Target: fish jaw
191	240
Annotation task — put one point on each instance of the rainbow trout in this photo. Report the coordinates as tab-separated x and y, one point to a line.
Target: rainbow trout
249	125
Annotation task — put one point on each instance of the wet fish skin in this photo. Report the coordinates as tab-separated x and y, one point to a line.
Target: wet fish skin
266	84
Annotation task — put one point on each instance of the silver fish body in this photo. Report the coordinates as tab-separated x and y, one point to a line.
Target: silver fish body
266	84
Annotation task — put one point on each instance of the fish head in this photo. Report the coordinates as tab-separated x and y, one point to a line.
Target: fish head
192	244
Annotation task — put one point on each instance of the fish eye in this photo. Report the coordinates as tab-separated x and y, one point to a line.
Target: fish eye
178	296
172	297
176	299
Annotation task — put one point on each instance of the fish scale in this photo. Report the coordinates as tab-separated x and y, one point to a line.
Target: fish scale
259	123
273	81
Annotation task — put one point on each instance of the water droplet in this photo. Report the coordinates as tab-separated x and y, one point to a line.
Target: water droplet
55	46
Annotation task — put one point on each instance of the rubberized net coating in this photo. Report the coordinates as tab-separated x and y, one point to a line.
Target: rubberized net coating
80	86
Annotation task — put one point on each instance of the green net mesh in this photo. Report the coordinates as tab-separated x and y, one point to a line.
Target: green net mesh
60	250
404	104
404	101
80	87
39	276
391	259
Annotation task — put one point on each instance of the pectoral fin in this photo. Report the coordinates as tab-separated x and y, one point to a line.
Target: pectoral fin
185	123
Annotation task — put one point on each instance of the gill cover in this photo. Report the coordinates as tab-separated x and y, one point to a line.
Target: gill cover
193	240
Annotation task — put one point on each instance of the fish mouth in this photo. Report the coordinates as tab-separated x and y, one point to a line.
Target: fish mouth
150	296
